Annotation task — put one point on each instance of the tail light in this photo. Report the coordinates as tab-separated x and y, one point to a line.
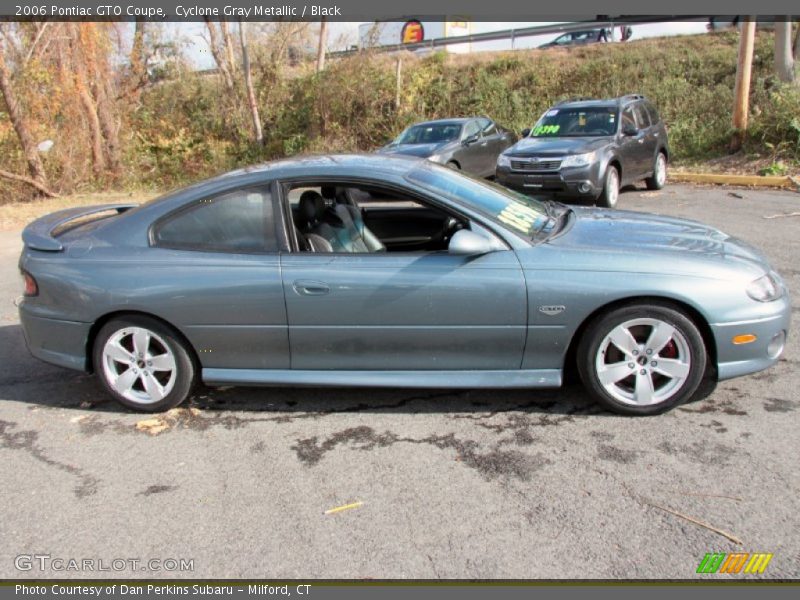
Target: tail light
31	287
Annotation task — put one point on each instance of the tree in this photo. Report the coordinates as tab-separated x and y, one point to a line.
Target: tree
741	93
323	41
228	41
137	77
248	80
784	58
219	57
38	176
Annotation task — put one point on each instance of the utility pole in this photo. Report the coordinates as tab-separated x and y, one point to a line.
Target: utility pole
784	59
398	83
741	93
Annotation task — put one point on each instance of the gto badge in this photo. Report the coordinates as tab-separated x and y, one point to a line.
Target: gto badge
552	310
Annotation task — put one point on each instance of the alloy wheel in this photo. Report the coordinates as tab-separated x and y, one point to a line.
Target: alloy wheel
139	365
643	362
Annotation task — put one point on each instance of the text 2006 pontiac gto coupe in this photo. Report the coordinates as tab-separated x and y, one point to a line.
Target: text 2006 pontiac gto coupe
380	271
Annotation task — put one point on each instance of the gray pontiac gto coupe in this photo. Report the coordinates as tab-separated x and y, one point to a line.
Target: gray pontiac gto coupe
381	271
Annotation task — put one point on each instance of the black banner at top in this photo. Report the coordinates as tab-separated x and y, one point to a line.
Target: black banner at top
368	10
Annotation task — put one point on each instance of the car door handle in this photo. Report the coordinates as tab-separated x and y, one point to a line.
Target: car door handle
310	288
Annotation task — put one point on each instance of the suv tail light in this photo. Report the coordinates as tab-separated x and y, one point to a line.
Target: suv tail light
31	287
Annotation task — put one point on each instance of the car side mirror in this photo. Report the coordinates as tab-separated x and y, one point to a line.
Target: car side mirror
468	243
526	132
629	130
470	140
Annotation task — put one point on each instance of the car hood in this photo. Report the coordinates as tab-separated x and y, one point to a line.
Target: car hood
421	150
556	146
640	235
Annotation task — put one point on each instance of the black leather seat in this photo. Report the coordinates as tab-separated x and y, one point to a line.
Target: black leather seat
339	226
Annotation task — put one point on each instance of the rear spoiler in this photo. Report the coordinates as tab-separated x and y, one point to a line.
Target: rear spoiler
39	234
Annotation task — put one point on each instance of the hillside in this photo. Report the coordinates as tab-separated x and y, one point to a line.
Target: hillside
188	127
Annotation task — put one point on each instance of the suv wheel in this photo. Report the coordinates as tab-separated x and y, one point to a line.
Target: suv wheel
659	178
610	194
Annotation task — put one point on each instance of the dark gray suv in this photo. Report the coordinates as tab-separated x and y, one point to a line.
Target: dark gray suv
589	149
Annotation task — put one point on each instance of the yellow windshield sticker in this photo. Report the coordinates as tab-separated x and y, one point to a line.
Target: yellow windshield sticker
521	218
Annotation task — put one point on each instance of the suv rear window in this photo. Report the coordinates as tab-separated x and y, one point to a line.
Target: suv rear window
565	122
642	116
654	116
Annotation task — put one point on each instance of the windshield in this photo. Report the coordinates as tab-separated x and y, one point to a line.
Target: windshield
430	134
583	122
522	214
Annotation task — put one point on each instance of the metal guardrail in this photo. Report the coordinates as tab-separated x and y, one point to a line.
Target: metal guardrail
512	34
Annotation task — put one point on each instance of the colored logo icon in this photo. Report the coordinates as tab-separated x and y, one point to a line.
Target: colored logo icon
413	32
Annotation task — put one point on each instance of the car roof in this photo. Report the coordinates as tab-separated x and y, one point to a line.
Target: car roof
599	103
323	163
453	121
588	104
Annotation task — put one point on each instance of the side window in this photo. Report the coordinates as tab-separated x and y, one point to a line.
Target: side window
654	116
240	222
627	118
642	118
471	128
487	126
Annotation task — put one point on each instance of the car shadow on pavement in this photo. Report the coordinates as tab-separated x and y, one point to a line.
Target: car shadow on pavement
27	380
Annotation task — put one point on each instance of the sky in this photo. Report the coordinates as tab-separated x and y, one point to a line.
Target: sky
342	35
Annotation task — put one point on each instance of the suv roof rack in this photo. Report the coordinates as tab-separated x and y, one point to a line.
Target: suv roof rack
576	99
630	98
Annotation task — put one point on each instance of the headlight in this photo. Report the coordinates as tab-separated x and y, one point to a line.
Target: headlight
579	160
435	158
503	160
765	289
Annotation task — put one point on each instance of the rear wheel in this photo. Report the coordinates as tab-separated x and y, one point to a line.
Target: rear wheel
642	359
610	194
143	364
659	178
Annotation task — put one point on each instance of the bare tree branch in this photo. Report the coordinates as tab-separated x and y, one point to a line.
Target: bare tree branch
27	180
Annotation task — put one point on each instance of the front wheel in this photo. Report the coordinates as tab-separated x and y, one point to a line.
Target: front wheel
659	178
143	364
642	359
610	194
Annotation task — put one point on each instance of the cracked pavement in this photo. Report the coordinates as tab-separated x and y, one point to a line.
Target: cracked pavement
454	484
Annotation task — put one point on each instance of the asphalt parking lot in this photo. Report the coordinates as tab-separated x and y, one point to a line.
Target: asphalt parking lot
472	484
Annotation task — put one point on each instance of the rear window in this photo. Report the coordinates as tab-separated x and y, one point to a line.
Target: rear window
238	222
654	116
642	117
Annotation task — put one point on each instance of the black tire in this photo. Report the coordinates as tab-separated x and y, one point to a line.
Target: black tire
657	182
453	165
685	345
610	195
163	342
